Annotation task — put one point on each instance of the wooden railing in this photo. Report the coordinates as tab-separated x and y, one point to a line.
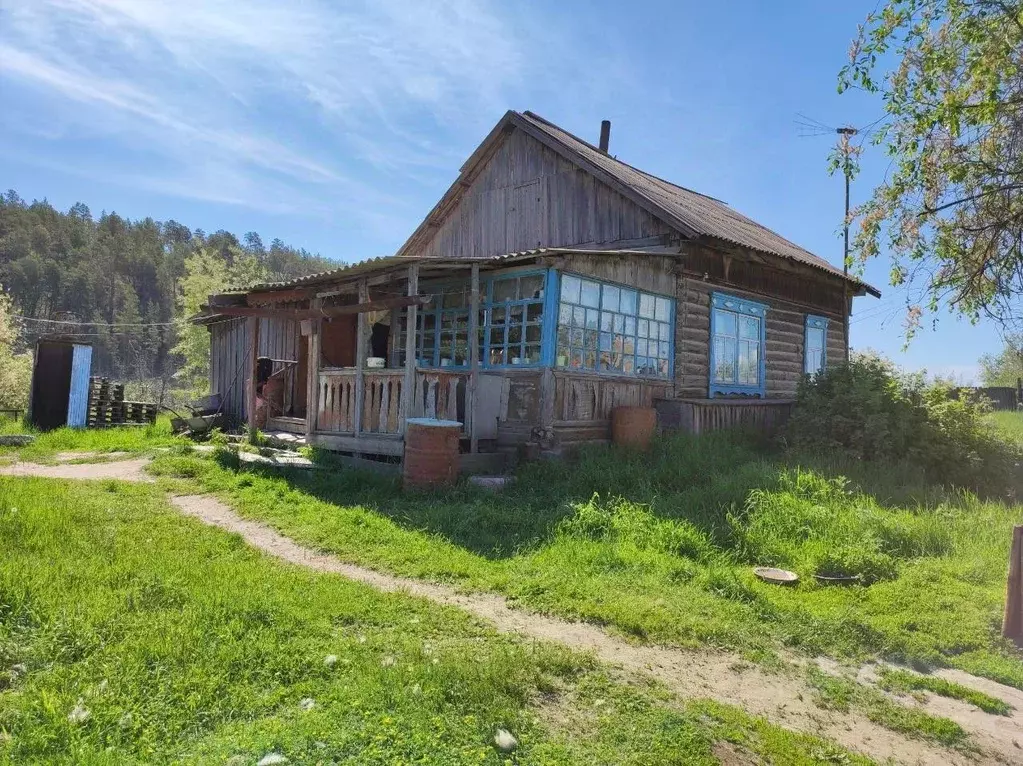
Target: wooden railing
381	403
439	395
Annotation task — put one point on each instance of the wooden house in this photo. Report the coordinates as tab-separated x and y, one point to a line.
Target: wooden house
551	283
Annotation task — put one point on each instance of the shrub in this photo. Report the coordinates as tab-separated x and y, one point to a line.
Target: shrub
869	411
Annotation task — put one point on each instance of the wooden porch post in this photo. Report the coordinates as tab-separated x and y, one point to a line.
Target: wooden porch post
360	358
254	356
312	403
474	358
408	386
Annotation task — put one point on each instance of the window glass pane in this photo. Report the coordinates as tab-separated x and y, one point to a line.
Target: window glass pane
605	341
749	363
570	287
628	301
646	306
533	353
590	294
576	338
662	350
724	323
815	337
663	330
605	360
564	314
505	290
533	312
578	316
497	316
630	345
663	309
496	355
618	344
561	358
619	323
577	359
630	325
724	360
641	347
644	328
592	319
813	361
590	359
749	327
662	368
533	333
590	339
629	365
531	288
606	321
562	336
611	298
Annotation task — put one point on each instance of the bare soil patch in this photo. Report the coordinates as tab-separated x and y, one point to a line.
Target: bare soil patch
125	470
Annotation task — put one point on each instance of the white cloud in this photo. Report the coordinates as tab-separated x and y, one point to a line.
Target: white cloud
316	106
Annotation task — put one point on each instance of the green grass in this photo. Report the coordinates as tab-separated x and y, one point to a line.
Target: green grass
175	642
895	680
842	694
135	439
1010	424
661	546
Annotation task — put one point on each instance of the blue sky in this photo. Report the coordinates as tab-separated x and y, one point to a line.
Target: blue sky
336	125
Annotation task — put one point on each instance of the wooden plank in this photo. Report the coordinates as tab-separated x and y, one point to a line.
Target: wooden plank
410	347
474	360
376	444
254	346
360	358
313	374
325	313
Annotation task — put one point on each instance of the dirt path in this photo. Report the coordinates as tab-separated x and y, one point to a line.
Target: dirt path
778	698
125	470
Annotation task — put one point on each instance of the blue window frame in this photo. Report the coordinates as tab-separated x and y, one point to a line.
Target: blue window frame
737	345
815	349
510	325
614	329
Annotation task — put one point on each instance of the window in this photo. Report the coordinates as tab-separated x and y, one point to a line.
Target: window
815	350
514	320
613	329
510	326
737	346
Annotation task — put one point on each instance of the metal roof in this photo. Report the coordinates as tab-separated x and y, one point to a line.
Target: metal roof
697	212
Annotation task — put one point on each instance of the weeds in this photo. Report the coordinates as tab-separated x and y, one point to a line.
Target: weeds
895	680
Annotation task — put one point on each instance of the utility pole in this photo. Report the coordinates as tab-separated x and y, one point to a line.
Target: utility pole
845	149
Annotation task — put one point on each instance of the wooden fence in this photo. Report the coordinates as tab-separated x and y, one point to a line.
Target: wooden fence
1001	397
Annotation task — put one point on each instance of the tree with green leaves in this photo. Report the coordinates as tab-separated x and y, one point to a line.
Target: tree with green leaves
15	362
207	271
950	76
1006	367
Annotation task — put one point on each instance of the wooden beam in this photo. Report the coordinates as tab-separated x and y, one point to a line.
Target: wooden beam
360	358
408	385
474	358
312	403
323	313
279	296
253	363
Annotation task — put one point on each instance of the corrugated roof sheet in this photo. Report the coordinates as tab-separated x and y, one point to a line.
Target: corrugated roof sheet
702	214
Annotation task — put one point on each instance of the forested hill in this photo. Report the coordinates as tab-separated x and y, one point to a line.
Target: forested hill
119	279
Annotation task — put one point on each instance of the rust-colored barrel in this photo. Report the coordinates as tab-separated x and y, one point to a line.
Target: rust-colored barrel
633	426
431	452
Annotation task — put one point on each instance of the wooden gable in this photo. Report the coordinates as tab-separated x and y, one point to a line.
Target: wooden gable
527	196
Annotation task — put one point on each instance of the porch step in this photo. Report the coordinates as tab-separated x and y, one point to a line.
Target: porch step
283	423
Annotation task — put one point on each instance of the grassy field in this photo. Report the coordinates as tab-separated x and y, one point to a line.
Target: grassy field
1010	424
126	439
130	634
661	547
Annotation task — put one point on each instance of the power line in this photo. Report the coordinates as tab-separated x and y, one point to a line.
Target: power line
94	324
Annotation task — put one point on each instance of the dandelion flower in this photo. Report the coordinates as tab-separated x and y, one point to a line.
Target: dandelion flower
271	759
80	714
505	741
330	660
307	703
